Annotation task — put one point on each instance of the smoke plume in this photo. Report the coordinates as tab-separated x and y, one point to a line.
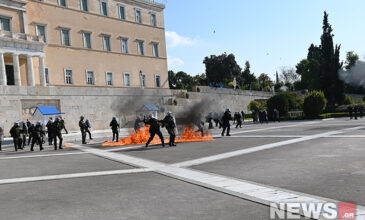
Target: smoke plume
194	112
355	76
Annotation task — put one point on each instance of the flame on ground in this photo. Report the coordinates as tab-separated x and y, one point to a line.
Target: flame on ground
142	136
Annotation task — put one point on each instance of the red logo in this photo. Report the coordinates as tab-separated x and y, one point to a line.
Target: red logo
346	210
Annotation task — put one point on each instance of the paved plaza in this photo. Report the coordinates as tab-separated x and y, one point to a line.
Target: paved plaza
233	177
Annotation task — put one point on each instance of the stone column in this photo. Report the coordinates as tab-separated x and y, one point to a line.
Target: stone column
3	80
17	78
42	74
30	71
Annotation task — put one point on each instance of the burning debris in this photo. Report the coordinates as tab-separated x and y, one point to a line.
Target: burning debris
142	136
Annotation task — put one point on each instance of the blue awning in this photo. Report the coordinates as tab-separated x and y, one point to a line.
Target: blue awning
48	110
149	107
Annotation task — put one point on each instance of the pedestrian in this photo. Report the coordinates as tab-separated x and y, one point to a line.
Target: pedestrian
37	136
115	129
276	115
15	134
227	117
265	116
63	124
254	116
50	130
1	137
356	110
82	126
235	116
154	129
57	128
239	120
169	123
350	109
88	128
30	130
23	133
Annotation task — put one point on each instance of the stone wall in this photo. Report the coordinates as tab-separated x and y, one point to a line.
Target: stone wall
101	104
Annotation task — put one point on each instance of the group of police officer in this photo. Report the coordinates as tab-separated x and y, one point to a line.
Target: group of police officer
36	133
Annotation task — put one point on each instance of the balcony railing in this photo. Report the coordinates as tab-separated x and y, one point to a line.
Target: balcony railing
156	2
21	36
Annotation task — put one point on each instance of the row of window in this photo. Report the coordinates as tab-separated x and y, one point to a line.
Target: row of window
105	12
87	41
90	78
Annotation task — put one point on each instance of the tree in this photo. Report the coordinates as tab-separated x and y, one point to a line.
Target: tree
264	81
248	79
172	79
288	75
314	104
200	80
180	80
222	68
309	70
351	59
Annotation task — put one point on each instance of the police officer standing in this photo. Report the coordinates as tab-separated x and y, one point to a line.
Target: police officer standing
50	130
239	120
15	134
114	125
154	129
1	136
37	134
57	127
24	133
169	123
82	126
88	127
225	121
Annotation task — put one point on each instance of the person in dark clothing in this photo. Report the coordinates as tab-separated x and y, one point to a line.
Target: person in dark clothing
356	110
50	131
154	129
265	116
276	115
169	123
30	130
235	116
37	134
115	129
88	127
351	110
82	126
225	122
63	124
57	127
254	116
23	133
15	134
239	120
1	136
361	110
210	121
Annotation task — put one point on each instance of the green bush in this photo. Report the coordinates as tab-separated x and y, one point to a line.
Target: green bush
314	104
279	102
254	106
348	100
335	115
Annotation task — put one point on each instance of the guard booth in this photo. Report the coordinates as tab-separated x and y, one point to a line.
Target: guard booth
147	109
44	113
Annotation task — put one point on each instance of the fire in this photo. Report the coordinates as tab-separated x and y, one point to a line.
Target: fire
66	145
142	136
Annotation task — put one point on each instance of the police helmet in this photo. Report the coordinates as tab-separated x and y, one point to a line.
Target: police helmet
169	113
81	117
228	110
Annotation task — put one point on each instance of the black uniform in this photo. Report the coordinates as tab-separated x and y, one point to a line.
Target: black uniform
1	136
24	133
37	134
57	128
154	129
30	130
82	126
356	112
225	122
210	121
169	123
115	129
276	115
239	120
88	127
50	131
15	133
63	126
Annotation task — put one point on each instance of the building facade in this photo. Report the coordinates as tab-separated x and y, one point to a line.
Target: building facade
93	43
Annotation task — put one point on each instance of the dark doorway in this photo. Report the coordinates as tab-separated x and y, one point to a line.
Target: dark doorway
10	75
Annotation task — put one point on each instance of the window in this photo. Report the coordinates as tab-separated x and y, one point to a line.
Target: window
5	24
106	43
140	47
68	77
127	79
143	80
65	37
122	12
84	5
87	40
46	73
158	81
138	16
155	49
124	45
90	77
63	3
41	32
109	78
104	8
153	20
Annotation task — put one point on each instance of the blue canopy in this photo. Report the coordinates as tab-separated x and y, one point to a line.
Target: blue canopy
150	107
48	110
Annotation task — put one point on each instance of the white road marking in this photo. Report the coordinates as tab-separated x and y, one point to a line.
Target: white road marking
268	136
71	176
41	155
244	189
260	148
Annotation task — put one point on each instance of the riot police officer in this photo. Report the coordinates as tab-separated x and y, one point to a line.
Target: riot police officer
37	134
82	126
57	127
154	129
225	121
15	134
169	123
114	125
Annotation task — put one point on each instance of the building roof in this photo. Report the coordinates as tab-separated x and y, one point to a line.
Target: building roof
47	110
149	107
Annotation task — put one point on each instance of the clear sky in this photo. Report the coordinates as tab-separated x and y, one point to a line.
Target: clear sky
271	34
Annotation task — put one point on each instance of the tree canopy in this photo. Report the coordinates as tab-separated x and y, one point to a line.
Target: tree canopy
222	68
